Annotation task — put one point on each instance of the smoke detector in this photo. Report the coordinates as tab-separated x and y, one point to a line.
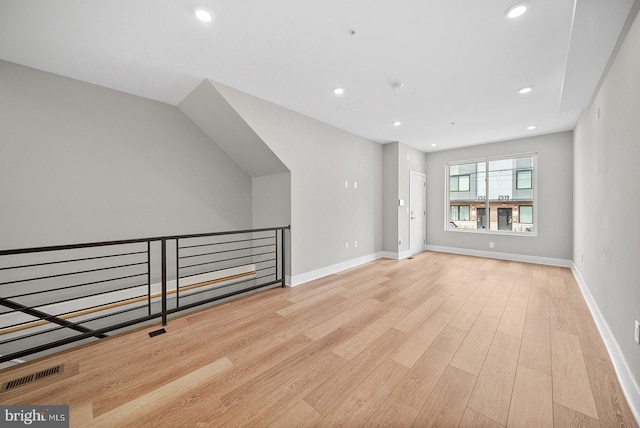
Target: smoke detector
397	85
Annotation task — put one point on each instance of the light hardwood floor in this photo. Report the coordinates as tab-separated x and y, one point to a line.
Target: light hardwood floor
437	340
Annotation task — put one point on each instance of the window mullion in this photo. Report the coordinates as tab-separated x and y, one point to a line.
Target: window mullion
487	205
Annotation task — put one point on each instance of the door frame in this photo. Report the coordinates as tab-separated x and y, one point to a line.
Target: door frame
509	216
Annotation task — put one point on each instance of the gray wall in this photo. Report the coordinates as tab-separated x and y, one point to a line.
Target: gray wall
607	197
271	200
390	197
80	163
324	214
555	202
399	161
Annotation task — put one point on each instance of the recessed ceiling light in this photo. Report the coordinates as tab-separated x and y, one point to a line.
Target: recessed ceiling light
525	90
338	91
397	123
204	15
516	11
433	144
530	127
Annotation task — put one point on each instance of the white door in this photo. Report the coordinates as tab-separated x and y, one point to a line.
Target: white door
417	212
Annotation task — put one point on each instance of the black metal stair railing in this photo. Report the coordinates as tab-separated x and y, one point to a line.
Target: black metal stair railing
52	297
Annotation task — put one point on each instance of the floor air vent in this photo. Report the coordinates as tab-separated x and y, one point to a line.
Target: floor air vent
32	377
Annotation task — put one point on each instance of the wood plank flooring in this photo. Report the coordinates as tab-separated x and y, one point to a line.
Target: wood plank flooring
436	340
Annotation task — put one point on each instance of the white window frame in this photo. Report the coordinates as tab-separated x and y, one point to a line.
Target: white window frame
534	183
520	207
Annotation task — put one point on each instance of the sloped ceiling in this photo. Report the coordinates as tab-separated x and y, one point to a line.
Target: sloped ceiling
208	109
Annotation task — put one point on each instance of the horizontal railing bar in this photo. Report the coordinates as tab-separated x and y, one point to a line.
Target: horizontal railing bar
232	267
122	311
224	296
264	261
215	261
131	241
223	260
72	246
72	273
79	285
111	305
226	268
263	273
42	315
119	312
73	260
225	242
265	276
237	232
29	336
195	293
211	271
55	302
65	315
170	292
125	324
76	338
219	287
226	251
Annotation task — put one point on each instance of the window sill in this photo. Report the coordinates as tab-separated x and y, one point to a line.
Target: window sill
492	232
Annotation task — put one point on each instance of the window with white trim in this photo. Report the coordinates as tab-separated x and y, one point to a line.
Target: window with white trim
460	183
493	194
526	214
460	212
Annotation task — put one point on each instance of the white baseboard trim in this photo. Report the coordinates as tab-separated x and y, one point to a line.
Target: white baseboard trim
394	256
329	270
302	278
628	383
502	256
389	255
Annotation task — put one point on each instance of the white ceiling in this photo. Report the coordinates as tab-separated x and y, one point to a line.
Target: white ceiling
460	61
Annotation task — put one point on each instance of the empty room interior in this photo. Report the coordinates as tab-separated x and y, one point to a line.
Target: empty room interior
338	213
